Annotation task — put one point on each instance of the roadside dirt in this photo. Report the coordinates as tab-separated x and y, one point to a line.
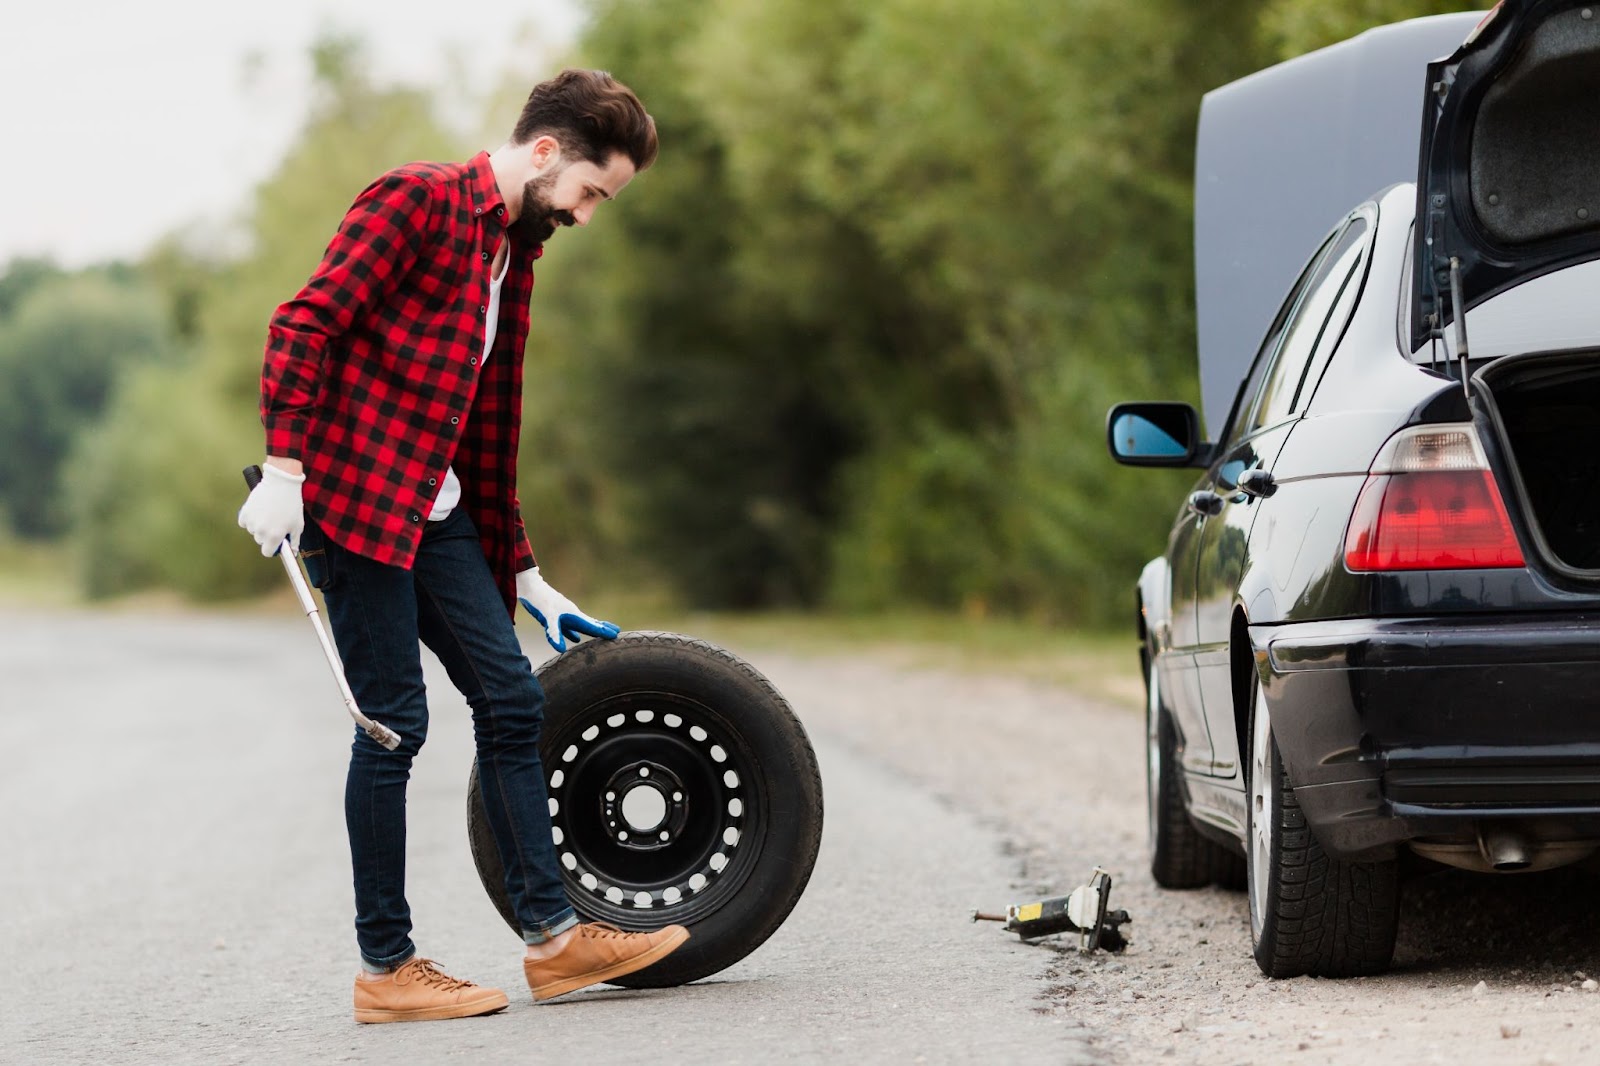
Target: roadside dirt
1489	969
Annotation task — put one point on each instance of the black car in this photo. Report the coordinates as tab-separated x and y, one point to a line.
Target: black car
1376	624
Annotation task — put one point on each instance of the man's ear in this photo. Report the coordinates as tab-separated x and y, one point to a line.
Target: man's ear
545	152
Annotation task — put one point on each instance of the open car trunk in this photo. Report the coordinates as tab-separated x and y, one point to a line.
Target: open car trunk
1546	414
1508	187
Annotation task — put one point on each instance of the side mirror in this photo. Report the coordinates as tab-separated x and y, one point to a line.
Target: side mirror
1155	434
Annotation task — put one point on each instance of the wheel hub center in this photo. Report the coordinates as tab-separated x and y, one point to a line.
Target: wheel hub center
644	806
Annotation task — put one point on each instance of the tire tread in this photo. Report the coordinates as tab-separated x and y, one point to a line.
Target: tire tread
1328	917
1181	857
699	957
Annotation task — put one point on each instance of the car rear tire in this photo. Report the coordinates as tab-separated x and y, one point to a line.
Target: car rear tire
683	790
1179	856
1309	913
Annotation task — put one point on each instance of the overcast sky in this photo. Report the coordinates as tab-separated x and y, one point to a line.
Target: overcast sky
120	120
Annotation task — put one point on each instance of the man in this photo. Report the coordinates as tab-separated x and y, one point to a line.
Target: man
391	394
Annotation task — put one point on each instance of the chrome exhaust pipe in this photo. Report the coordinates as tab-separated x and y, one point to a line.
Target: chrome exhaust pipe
1505	849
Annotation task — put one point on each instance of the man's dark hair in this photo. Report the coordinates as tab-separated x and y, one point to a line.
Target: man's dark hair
592	116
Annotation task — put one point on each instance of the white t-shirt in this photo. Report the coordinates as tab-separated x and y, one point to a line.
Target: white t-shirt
450	492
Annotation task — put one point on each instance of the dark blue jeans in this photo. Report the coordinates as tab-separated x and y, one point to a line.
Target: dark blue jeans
380	615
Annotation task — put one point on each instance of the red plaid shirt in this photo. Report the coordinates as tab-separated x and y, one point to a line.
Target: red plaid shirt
375	377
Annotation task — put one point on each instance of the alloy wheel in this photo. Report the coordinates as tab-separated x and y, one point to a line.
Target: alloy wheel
1152	747
1263	809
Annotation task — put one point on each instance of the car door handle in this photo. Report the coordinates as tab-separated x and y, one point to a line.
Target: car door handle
1205	502
1257	483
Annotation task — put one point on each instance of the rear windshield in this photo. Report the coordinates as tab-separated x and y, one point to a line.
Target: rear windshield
1553	312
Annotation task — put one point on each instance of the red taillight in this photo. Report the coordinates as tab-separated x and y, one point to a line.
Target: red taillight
1430	503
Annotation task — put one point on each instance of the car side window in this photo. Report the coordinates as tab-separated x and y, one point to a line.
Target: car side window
1335	276
1239	422
1344	305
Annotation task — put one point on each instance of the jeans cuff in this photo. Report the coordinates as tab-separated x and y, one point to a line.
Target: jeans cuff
567	919
390	964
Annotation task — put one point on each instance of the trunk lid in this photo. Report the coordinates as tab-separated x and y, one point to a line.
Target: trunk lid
1509	176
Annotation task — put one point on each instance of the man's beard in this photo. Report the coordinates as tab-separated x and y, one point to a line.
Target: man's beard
538	219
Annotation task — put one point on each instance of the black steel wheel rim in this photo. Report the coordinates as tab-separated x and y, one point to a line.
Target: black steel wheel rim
656	807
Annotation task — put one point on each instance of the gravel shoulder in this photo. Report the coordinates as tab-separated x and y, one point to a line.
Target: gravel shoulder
1489	969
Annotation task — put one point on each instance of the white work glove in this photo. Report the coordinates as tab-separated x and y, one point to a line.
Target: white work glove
560	617
274	510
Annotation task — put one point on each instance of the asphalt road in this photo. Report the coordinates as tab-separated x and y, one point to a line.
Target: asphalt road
174	882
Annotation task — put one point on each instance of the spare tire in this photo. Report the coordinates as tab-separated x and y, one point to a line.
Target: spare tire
682	790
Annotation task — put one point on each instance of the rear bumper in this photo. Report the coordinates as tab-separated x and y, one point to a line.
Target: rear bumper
1431	729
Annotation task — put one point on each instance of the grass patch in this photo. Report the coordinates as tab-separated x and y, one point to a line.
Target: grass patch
37	574
1101	664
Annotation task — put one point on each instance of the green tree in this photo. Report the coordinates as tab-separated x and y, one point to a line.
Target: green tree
1292	27
670	421
865	316
21	277
1034	177
851	339
156	487
62	352
355	132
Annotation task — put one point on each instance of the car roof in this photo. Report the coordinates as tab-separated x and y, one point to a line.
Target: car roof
1281	156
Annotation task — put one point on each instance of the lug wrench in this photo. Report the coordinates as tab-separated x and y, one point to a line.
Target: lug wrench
291	565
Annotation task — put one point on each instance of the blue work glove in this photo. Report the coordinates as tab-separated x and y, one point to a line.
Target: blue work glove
560	617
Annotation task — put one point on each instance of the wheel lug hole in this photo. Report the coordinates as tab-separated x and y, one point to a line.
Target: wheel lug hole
677	797
644	771
622	835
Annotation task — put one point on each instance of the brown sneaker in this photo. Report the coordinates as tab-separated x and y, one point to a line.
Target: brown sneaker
420	992
596	952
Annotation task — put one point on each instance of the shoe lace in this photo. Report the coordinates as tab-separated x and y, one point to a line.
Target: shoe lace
601	930
428	972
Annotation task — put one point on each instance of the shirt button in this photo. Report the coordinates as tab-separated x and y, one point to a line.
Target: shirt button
433	481
413	517
474	360
477	210
485	257
499	210
454	420
483	310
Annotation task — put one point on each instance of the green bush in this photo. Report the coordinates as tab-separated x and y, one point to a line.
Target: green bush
156	489
62	351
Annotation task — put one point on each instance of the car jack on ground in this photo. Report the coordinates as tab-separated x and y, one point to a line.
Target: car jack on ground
1083	911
